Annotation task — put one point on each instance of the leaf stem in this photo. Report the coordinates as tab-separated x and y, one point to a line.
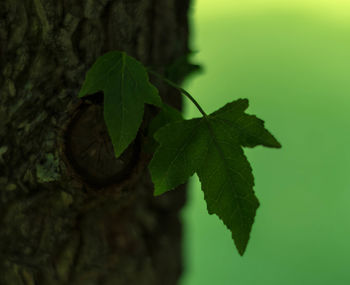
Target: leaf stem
183	91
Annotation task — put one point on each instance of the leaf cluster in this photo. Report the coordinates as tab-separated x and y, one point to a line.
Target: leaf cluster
211	146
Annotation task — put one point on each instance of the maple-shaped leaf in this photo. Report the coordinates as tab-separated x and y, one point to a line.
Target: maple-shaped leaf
180	153
166	115
126	88
212	147
251	129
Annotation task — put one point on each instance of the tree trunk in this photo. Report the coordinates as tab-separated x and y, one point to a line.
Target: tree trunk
70	212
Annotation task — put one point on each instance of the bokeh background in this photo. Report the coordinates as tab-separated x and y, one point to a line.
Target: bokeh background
291	59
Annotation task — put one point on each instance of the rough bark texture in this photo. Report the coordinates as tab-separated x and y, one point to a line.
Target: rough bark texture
59	224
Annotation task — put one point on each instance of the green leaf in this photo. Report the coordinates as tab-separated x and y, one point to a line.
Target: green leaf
251	129
165	116
227	182
126	88
180	153
182	68
212	147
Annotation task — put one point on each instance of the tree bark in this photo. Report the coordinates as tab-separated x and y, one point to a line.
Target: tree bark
71	213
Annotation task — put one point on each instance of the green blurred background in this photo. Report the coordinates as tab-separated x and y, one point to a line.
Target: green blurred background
291	59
